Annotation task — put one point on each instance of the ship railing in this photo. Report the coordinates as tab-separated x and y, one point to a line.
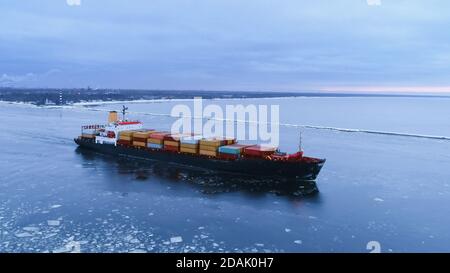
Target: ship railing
93	129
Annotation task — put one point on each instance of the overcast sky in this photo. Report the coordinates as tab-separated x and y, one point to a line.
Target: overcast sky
277	45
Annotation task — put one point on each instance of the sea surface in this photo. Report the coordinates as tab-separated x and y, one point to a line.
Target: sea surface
394	190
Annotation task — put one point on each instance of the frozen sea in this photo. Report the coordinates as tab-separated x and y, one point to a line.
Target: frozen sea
55	197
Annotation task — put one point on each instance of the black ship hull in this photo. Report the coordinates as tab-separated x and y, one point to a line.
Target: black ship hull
307	169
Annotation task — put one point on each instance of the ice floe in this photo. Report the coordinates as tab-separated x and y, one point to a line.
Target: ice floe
176	239
137	251
23	234
31	229
53	222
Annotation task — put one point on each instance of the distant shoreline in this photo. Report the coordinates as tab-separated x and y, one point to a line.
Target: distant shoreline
87	97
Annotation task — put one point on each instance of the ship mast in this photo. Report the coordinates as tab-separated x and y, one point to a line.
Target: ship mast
124	111
300	149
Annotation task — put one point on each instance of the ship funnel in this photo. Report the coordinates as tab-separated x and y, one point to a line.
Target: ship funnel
112	117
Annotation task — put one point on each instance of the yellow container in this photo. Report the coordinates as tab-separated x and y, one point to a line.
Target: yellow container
171	143
128	138
189	146
211	142
143	134
208	148
127	133
208	153
230	141
188	150
155	141
139	144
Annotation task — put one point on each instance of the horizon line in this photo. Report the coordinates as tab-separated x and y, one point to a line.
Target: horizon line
366	90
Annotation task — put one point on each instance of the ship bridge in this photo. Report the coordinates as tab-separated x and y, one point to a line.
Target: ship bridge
110	132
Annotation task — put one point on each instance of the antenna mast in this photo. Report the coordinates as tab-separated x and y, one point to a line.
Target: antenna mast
124	111
300	149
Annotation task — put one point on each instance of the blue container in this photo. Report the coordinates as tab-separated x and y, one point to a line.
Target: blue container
232	150
154	146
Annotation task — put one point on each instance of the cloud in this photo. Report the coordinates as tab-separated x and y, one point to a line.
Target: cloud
374	2
6	79
223	44
24	79
73	2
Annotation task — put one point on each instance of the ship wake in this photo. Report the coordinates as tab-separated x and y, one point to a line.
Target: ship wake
299	126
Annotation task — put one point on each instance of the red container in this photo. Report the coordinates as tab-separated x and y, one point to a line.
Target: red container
240	145
159	135
171	148
124	142
259	151
227	156
140	139
171	137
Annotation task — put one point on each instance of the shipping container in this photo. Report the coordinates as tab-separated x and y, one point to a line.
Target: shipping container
158	135
235	149
155	141
208	148
127	138
259	150
154	146
230	141
173	137
171	148
126	135
208	153
188	150
228	156
124	142
139	139
144	134
171	143
139	144
189	146
216	142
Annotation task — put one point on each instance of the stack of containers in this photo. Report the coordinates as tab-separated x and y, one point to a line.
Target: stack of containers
156	140
140	138
209	146
260	151
172	142
231	151
190	144
125	138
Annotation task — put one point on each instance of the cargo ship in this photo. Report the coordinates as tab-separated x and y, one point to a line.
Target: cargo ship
129	138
